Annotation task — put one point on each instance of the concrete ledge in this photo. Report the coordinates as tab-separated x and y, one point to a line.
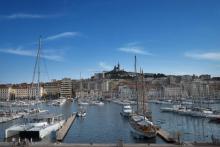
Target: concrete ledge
5	144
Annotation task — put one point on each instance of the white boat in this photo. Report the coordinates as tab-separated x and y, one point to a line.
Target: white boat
33	112
20	104
59	102
201	112
70	99
4	119
126	111
81	112
83	103
183	110
35	130
39	126
99	103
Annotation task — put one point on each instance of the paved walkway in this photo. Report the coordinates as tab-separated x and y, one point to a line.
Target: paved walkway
5	144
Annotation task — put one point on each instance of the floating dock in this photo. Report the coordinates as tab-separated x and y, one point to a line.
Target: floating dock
61	133
166	136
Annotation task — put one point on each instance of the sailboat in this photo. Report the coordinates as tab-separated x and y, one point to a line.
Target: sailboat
37	126
140	122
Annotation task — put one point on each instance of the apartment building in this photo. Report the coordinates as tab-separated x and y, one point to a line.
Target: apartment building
5	92
27	91
66	88
52	89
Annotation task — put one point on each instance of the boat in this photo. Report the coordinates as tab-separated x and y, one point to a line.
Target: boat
59	102
126	111
36	125
9	114
215	119
142	127
190	111
20	104
9	117
70	99
81	112
38	128
140	121
99	103
83	103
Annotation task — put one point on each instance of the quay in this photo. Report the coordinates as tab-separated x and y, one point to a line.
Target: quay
166	136
61	133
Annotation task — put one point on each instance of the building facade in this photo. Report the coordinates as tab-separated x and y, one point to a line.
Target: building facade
52	89
5	92
66	88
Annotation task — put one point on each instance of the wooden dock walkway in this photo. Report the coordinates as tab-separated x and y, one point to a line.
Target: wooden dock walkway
61	133
166	136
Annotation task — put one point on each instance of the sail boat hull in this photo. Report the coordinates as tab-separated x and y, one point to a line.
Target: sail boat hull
33	130
142	127
44	125
139	134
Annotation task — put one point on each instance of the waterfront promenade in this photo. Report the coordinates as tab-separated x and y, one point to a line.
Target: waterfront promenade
5	144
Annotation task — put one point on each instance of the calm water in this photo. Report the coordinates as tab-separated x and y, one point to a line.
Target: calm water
104	124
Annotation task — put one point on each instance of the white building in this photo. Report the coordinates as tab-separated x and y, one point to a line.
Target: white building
5	92
126	92
105	85
172	92
27	91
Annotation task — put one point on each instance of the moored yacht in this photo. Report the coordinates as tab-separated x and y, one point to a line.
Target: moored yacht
59	102
142	127
38	128
36	125
81	112
83	103
99	103
126	111
140	122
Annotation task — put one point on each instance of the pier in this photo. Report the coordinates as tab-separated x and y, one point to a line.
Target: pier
61	133
166	136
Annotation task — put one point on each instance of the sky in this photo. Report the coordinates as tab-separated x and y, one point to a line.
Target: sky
82	37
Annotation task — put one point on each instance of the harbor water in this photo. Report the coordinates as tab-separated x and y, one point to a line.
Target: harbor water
104	124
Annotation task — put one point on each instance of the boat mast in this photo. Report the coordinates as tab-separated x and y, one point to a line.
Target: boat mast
136	93
143	92
38	61
80	86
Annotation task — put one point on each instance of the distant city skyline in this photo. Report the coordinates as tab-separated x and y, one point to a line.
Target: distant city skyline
171	37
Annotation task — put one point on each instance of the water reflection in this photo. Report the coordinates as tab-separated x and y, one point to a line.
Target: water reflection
190	128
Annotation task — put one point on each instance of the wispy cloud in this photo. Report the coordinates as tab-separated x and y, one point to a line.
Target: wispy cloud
48	54
134	48
104	66
63	35
214	56
26	16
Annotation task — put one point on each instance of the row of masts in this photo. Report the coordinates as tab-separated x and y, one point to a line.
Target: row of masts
140	92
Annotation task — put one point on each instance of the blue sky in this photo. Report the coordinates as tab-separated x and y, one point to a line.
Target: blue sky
87	36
